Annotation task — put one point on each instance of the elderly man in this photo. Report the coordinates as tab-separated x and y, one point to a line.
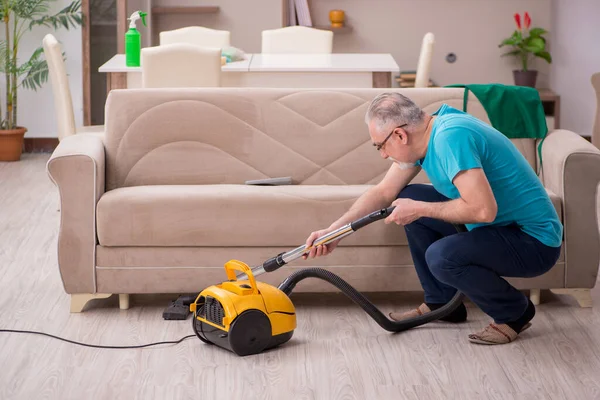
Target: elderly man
479	179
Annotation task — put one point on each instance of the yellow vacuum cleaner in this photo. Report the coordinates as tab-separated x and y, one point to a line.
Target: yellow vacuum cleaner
248	317
245	317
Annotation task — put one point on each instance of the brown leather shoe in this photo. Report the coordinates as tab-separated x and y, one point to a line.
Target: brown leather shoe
496	334
398	316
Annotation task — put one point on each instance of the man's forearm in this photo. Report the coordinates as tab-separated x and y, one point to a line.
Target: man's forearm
370	201
456	211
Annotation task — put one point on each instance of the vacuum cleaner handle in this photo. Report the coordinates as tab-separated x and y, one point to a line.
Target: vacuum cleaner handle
374	216
281	259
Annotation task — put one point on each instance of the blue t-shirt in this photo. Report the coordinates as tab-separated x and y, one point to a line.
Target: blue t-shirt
460	142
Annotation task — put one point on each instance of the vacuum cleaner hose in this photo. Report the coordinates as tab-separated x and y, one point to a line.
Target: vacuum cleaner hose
287	286
390	325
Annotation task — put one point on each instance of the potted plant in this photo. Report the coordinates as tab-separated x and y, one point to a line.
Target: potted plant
18	17
526	44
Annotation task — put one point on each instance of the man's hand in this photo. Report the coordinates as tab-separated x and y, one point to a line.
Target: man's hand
406	211
321	250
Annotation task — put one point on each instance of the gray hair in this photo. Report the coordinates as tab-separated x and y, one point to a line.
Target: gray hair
394	107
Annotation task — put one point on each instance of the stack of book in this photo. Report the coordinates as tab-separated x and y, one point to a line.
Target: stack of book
299	13
407	79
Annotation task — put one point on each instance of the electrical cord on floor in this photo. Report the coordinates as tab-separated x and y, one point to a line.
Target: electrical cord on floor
96	345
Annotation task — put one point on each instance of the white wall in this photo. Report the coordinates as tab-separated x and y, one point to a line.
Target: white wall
574	35
471	29
576	56
36	109
244	19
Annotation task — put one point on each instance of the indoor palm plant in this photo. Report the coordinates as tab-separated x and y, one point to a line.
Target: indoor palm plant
19	17
526	44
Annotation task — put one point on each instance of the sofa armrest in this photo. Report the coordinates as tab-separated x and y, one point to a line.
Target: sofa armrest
77	168
571	169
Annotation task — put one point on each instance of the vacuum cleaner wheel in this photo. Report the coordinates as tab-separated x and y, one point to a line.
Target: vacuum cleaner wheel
197	326
250	333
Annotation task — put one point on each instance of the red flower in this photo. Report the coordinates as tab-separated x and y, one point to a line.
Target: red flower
518	20
527	20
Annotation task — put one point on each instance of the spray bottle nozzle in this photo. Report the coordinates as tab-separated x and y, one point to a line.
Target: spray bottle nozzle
135	16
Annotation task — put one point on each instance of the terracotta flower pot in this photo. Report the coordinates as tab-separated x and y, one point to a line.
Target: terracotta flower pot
337	18
11	144
525	78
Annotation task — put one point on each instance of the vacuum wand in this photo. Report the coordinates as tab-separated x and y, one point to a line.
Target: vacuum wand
282	259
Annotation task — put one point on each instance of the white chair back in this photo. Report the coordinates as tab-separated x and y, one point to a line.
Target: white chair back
297	39
596	125
424	64
197	35
63	104
181	65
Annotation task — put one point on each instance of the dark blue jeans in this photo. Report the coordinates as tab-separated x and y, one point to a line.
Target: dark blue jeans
474	262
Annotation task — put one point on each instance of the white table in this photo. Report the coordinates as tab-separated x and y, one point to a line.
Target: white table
120	76
282	70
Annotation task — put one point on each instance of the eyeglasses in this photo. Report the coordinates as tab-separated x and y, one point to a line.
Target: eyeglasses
380	145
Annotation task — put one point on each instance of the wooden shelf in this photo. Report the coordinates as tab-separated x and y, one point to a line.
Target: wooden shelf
186	10
547	94
343	29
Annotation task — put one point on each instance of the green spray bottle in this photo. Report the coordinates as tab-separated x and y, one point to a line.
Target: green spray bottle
133	40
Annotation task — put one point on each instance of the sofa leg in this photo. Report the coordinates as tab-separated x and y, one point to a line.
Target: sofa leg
583	296
534	296
124	301
79	300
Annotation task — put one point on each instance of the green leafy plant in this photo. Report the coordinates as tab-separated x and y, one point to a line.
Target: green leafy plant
19	17
526	43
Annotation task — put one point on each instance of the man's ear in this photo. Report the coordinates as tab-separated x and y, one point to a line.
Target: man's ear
402	135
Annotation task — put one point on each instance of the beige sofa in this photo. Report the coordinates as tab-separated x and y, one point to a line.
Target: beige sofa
159	205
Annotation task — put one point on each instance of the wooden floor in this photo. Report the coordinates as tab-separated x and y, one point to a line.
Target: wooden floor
337	352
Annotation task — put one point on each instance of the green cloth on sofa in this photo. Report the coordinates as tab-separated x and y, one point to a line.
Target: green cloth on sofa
516	111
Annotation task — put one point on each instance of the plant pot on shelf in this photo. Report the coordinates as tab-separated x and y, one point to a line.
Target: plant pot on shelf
11	144
525	78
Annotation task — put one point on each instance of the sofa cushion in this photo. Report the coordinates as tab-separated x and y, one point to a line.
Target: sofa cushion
230	215
556	202
234	215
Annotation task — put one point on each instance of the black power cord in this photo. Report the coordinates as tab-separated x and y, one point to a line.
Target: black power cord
96	345
179	309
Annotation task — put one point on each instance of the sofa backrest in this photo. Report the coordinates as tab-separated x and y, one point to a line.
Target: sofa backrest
231	135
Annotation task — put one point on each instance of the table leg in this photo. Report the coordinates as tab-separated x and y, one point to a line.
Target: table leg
116	80
382	79
557	113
